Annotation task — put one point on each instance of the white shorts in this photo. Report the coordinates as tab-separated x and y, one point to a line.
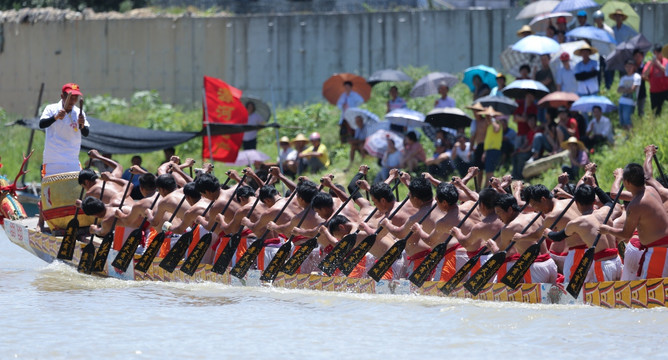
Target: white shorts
544	272
632	257
606	270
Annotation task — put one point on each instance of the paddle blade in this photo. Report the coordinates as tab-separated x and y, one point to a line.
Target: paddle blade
241	268
220	266
300	255
66	251
485	274
580	273
516	273
127	252
87	257
423	271
460	274
152	250
357	254
270	272
177	252
383	264
103	252
331	262
195	258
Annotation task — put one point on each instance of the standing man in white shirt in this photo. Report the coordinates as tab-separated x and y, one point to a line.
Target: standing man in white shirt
65	123
349	99
599	130
629	86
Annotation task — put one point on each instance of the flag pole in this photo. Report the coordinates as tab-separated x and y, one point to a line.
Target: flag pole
278	146
206	121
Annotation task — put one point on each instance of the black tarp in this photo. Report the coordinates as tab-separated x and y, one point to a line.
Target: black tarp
110	138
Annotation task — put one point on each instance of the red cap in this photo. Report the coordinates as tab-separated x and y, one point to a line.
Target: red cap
565	57
72	88
561	20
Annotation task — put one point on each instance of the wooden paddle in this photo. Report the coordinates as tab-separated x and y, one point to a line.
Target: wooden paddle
153	248
365	245
278	261
88	252
580	273
658	166
66	251
423	271
127	251
522	265
242	266
300	255
489	268
464	270
103	251
383	264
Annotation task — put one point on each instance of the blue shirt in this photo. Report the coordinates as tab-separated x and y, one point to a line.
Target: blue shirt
589	86
623	33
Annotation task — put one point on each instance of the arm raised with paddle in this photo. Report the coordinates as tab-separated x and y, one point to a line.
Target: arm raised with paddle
88	252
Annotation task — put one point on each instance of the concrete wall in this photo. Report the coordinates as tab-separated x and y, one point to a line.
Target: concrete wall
293	54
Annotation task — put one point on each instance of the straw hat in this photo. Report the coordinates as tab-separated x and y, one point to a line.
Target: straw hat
573	140
476	107
490	111
284	139
618	12
300	137
524	29
664	51
585	47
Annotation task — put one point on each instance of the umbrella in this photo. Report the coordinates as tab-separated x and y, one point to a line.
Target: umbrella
405	117
512	60
586	103
540	22
633	20
536	44
519	88
376	143
536	8
367	115
429	84
558	98
569	48
448	117
486	73
591	33
574	5
499	103
388	75
249	157
332	88
624	51
261	107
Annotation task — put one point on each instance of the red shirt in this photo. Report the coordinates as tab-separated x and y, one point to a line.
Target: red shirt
522	127
658	81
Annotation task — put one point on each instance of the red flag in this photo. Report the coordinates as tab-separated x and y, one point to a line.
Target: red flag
223	106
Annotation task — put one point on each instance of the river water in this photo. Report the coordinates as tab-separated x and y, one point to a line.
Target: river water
49	311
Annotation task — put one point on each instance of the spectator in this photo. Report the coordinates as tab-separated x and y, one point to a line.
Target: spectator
581	19
525	107
586	71
480	89
604	49
509	138
629	86
561	36
493	141
500	84
524	31
567	126
357	142
287	157
250	137
136	193
639	59
444	100
413	153
348	99
391	160
599	130
462	155
565	79
544	76
440	164
395	101
622	31
578	157
525	72
299	143
655	73
561	24
551	32
525	149
316	156
478	131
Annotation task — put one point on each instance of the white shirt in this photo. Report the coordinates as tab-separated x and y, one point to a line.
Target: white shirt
347	101
601	127
288	155
627	81
63	138
447	102
465	154
253	119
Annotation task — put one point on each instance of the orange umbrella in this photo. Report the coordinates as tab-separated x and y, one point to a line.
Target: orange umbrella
332	88
559	98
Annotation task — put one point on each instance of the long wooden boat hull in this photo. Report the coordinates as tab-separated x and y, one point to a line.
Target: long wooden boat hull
613	294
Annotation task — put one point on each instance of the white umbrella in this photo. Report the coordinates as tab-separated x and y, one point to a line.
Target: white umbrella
249	157
405	117
367	115
537	8
536	44
428	85
376	143
512	60
261	107
540	22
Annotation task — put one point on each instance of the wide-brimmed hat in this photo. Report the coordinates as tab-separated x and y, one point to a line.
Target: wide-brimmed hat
284	139
476	107
490	111
300	137
573	140
524	29
585	47
664	51
618	12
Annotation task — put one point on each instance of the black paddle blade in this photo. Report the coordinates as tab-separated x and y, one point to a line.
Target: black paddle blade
358	253
486	273
270	272
87	257
331	262
423	271
103	252
460	274
300	255
66	251
580	274
523	264
195	258
247	259
177	252
226	256
383	264
127	252
152	250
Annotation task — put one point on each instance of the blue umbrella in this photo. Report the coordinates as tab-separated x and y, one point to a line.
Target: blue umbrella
587	103
591	33
486	73
536	44
574	5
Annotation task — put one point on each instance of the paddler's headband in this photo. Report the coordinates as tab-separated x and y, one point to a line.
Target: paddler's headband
72	88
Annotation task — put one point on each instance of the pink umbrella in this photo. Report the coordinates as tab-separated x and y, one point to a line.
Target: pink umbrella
376	143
